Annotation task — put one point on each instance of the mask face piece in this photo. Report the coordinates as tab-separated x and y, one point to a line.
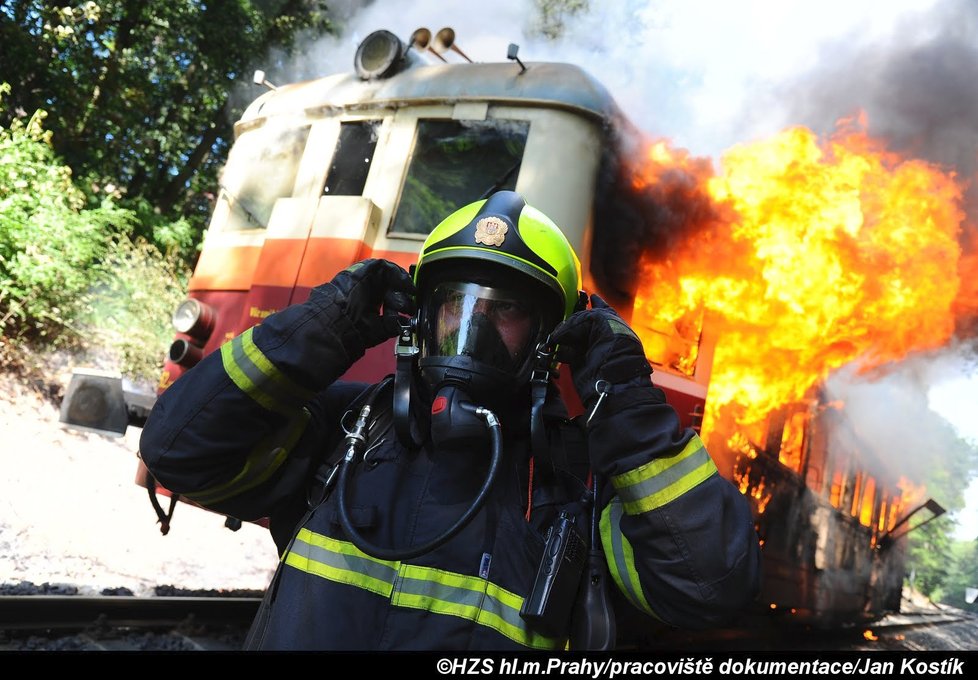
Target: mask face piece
490	325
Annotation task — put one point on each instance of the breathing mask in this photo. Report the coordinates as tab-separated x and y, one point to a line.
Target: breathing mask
476	344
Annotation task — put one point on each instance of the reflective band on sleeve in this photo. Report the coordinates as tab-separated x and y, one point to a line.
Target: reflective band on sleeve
341	562
621	559
664	479
258	377
261	464
433	590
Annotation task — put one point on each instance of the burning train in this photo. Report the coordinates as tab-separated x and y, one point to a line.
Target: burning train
327	172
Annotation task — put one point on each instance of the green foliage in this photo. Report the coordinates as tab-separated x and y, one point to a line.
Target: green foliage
127	313
930	546
552	14
138	96
69	274
49	244
962	574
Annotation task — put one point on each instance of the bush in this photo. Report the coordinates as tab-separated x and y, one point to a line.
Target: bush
69	275
126	315
49	246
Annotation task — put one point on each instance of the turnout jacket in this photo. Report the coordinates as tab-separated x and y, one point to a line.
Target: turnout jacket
246	430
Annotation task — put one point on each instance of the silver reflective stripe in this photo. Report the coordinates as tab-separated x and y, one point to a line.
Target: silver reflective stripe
449	594
414	587
341	562
622	559
259	378
664	479
467	597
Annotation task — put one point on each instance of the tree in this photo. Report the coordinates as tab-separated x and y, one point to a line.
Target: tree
962	575
138	93
930	547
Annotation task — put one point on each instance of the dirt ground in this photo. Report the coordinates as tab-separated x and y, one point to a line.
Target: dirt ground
70	513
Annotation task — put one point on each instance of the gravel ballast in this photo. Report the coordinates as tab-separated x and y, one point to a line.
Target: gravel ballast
72	516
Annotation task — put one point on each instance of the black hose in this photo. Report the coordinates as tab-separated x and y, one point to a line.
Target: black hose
393	554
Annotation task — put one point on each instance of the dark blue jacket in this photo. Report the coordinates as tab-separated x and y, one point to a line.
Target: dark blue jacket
245	431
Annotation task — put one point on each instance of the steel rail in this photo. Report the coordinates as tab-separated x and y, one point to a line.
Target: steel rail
76	612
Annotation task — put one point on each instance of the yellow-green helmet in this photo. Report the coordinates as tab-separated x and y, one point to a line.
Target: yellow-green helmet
505	231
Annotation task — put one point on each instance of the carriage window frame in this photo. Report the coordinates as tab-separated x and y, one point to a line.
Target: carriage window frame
437	214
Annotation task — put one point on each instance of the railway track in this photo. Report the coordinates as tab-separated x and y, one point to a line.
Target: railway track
948	630
102	623
76	623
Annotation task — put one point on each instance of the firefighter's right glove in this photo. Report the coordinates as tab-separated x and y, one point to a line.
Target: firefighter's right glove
603	353
372	294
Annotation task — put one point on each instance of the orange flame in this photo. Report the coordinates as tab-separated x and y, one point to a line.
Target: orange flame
911	495
756	489
817	254
868	634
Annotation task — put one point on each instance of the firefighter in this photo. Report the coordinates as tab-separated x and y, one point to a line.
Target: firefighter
414	513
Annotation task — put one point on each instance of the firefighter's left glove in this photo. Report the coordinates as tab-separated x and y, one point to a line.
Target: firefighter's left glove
599	346
372	294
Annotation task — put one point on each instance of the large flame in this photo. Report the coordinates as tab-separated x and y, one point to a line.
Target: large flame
818	254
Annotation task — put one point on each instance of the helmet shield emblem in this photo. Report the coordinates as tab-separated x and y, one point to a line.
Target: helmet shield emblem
491	231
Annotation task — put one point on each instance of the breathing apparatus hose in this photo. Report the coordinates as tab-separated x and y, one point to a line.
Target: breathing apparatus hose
356	444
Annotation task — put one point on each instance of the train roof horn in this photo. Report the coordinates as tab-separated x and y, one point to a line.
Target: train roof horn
444	41
421	39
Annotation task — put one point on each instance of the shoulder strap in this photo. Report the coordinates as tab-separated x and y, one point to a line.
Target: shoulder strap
381	421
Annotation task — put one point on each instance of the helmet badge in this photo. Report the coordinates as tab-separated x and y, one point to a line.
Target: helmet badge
491	231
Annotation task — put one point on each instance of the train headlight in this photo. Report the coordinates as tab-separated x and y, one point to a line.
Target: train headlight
378	55
184	353
194	318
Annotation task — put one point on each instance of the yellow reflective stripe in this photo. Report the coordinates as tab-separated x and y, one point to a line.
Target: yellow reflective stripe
426	588
341	562
258	377
664	479
620	557
467	597
261	463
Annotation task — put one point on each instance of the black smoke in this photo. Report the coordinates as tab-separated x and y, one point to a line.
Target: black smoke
919	90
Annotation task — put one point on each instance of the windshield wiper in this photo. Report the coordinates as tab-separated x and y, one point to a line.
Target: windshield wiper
242	206
501	181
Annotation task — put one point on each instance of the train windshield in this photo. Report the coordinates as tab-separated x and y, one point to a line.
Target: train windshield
261	169
456	162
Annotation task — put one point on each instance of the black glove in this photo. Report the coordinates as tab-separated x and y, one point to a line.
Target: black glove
598	345
372	294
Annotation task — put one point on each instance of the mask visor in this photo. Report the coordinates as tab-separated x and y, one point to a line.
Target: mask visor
488	324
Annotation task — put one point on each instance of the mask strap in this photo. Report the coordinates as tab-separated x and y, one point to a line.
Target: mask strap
539	382
406	353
